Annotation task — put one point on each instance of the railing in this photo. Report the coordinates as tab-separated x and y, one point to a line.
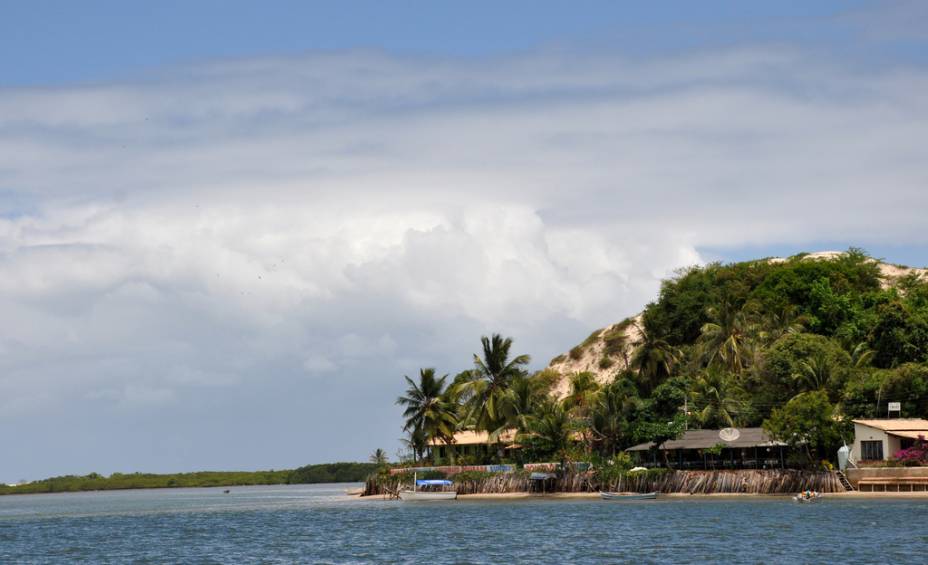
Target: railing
455	469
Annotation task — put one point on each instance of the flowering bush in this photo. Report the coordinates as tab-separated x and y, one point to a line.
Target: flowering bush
915	455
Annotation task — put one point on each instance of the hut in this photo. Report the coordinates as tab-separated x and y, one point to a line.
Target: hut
729	448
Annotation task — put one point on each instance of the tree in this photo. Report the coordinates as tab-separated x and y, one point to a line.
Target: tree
549	431
653	358
807	422
815	372
379	457
427	409
611	416
416	442
659	433
582	393
717	399
725	341
489	405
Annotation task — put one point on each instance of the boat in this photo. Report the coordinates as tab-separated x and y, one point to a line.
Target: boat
808	497
430	492
628	495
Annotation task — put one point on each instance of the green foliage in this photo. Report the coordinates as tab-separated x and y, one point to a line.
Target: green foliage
576	353
324	473
900	334
807	422
799	345
331	473
788	369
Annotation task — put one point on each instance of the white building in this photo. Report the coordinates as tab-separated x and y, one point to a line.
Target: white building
879	440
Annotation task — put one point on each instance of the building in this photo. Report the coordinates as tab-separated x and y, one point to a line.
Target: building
474	445
879	440
744	448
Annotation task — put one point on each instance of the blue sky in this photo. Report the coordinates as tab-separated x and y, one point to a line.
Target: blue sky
227	230
45	42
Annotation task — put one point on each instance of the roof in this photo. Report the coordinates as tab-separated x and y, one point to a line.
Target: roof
469	437
897	425
704	439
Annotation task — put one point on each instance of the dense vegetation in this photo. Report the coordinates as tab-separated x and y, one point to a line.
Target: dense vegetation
323	473
799	347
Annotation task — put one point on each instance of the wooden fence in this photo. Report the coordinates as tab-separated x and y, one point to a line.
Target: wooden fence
773	481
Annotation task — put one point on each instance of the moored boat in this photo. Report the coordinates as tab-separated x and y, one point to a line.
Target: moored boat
627	495
417	495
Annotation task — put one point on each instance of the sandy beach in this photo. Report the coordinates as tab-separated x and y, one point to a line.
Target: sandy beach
674	495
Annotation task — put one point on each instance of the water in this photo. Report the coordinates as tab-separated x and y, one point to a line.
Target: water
317	523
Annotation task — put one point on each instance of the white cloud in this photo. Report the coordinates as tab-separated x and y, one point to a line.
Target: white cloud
236	226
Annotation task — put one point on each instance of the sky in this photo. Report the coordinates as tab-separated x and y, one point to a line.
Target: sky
228	230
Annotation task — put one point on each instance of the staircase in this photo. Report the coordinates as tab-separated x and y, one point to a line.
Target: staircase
844	482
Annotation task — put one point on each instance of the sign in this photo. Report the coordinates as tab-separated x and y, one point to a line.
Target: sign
895	407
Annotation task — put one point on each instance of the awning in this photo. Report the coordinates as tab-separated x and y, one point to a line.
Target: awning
433	482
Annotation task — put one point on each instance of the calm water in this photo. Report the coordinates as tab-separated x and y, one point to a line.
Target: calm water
318	524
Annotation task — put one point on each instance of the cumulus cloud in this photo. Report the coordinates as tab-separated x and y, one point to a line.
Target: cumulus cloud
299	232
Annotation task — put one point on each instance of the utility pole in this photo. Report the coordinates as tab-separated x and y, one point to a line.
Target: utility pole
686	414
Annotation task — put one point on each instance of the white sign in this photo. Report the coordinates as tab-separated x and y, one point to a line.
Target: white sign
895	407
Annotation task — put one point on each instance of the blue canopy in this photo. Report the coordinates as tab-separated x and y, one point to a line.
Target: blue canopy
432	482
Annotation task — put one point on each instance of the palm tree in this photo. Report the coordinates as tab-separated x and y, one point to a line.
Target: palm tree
489	405
582	393
725	341
379	457
778	323
654	358
549	430
862	355
427	408
615	406
716	399
815	372
416	442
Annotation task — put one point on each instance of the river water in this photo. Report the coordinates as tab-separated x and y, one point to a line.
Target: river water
318	524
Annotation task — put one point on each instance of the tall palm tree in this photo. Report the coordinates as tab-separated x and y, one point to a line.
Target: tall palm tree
416	442
379	457
716	399
582	393
725	341
615	406
654	358
427	408
579	403
486	394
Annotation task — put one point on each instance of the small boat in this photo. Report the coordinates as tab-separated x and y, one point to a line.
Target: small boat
808	497
627	495
430	492
227	491
354	491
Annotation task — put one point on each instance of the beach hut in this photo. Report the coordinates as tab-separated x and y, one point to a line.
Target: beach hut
730	448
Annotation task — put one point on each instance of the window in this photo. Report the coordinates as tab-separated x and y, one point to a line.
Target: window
871	450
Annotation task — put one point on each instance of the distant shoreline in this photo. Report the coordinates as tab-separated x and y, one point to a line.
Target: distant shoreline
322	473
